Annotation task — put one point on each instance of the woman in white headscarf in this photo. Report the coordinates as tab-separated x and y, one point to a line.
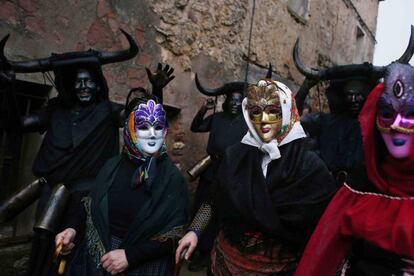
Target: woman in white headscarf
269	193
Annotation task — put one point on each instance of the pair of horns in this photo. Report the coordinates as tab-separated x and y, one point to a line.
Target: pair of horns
231	87
47	64
344	71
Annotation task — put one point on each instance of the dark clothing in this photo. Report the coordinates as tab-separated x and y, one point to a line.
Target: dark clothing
367	259
339	141
79	138
225	130
154	257
284	206
154	218
78	141
123	201
265	221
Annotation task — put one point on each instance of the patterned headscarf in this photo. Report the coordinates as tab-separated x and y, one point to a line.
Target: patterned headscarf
151	113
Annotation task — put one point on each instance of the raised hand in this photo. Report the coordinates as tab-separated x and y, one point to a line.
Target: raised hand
210	103
161	77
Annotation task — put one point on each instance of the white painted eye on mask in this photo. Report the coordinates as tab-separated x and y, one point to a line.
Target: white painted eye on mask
150	138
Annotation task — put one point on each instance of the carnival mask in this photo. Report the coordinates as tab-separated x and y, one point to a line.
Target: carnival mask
86	88
395	117
150	127
264	107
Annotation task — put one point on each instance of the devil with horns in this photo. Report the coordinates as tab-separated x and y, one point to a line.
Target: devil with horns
337	135
367	228
81	133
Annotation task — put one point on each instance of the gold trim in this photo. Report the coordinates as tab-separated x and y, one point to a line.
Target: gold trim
399	129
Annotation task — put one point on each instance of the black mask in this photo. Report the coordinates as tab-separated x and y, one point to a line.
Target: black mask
355	92
86	88
234	103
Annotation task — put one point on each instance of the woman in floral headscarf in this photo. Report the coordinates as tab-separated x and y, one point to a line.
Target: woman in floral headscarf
136	209
270	191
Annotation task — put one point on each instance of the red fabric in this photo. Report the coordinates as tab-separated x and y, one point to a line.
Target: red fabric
382	221
228	260
395	176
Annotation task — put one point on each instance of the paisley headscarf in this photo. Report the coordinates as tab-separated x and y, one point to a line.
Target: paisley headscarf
291	128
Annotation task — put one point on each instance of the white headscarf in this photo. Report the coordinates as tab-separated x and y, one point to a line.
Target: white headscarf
271	148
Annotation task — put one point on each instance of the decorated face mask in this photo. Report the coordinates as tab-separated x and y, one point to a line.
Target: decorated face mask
148	127
264	107
86	88
395	117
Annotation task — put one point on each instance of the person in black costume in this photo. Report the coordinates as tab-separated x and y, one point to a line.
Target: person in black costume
225	128
336	136
269	191
136	209
81	133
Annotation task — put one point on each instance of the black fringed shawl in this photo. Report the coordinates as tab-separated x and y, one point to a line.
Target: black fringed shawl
286	205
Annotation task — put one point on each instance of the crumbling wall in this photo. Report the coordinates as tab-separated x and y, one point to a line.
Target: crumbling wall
207	37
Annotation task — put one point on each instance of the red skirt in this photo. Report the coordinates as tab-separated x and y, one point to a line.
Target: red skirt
228	260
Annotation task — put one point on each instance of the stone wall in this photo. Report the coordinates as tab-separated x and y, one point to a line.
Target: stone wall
207	37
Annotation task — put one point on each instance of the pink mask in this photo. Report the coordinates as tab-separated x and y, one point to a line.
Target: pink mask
397	133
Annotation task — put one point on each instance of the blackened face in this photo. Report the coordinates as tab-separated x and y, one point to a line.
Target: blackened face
235	103
355	96
86	88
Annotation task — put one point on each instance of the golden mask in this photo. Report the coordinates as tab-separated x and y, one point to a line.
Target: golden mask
265	111
263	103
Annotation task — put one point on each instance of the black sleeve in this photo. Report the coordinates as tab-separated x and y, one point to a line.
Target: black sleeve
40	119
118	114
199	124
75	215
148	250
37	121
302	93
311	123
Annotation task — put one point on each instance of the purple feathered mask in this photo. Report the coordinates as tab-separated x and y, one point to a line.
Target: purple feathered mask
150	112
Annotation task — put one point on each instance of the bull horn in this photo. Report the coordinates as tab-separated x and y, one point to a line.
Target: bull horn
352	70
231	87
337	71
4	63
117	56
405	58
31	66
307	72
2	44
46	64
269	71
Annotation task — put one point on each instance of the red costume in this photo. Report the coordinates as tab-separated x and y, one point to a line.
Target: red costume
383	219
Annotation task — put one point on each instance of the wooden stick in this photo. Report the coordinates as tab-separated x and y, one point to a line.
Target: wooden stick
59	247
61	269
62	263
177	267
